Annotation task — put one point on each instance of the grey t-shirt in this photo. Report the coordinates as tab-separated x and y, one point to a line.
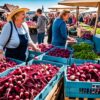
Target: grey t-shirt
41	24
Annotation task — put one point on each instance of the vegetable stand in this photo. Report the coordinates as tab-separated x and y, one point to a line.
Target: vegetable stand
59	55
83	88
52	83
21	79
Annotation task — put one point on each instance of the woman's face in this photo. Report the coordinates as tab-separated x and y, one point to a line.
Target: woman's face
65	17
21	17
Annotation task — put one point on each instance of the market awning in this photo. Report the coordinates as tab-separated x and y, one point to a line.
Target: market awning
65	7
86	3
90	10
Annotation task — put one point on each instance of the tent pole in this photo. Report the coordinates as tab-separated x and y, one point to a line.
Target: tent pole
77	14
98	11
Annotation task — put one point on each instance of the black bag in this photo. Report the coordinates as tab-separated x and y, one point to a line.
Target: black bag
9	35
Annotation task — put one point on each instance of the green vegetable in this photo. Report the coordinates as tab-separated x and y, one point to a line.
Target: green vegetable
82	46
89	28
98	30
85	55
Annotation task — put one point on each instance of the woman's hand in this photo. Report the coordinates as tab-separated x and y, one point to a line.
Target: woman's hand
38	50
34	47
1	57
71	39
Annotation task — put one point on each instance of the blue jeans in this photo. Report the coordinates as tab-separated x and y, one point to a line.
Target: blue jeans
40	38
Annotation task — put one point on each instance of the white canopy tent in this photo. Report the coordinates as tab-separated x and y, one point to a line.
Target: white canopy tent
90	10
85	3
62	7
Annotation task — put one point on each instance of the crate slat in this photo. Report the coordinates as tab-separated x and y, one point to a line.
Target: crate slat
85	98
97	99
55	96
77	99
66	98
50	95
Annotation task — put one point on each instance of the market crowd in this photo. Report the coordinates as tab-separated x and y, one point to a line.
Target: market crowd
15	35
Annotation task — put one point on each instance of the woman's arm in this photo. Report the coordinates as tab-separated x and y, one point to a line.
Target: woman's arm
5	33
30	42
4	38
1	55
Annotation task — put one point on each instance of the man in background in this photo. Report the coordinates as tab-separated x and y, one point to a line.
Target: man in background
41	25
34	19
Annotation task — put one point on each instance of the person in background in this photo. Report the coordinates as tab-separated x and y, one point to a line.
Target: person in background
57	14
41	24
92	22
49	29
81	18
59	30
34	19
87	19
15	37
33	30
73	19
70	20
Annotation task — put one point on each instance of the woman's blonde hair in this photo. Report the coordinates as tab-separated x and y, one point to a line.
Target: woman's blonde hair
64	13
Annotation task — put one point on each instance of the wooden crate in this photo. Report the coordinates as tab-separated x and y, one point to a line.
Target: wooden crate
53	95
67	98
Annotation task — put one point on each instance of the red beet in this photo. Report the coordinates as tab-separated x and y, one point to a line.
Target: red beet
86	72
64	53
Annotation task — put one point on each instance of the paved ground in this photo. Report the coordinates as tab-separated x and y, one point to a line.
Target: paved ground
34	38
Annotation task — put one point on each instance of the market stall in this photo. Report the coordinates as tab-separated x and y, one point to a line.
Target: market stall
42	76
90	3
74	86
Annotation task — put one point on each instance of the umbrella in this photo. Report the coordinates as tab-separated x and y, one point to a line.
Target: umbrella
86	3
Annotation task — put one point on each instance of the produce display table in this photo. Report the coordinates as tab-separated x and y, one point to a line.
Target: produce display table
62	58
89	28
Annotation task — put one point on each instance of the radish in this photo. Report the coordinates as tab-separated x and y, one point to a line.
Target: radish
72	77
17	97
86	72
27	81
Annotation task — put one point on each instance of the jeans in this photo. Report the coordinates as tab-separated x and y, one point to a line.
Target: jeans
40	38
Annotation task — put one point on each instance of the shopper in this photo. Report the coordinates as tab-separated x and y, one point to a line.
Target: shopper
70	20
49	29
34	19
92	23
57	14
59	29
81	18
15	36
41	24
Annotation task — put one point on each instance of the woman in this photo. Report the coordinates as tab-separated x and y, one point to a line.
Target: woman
15	36
60	31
